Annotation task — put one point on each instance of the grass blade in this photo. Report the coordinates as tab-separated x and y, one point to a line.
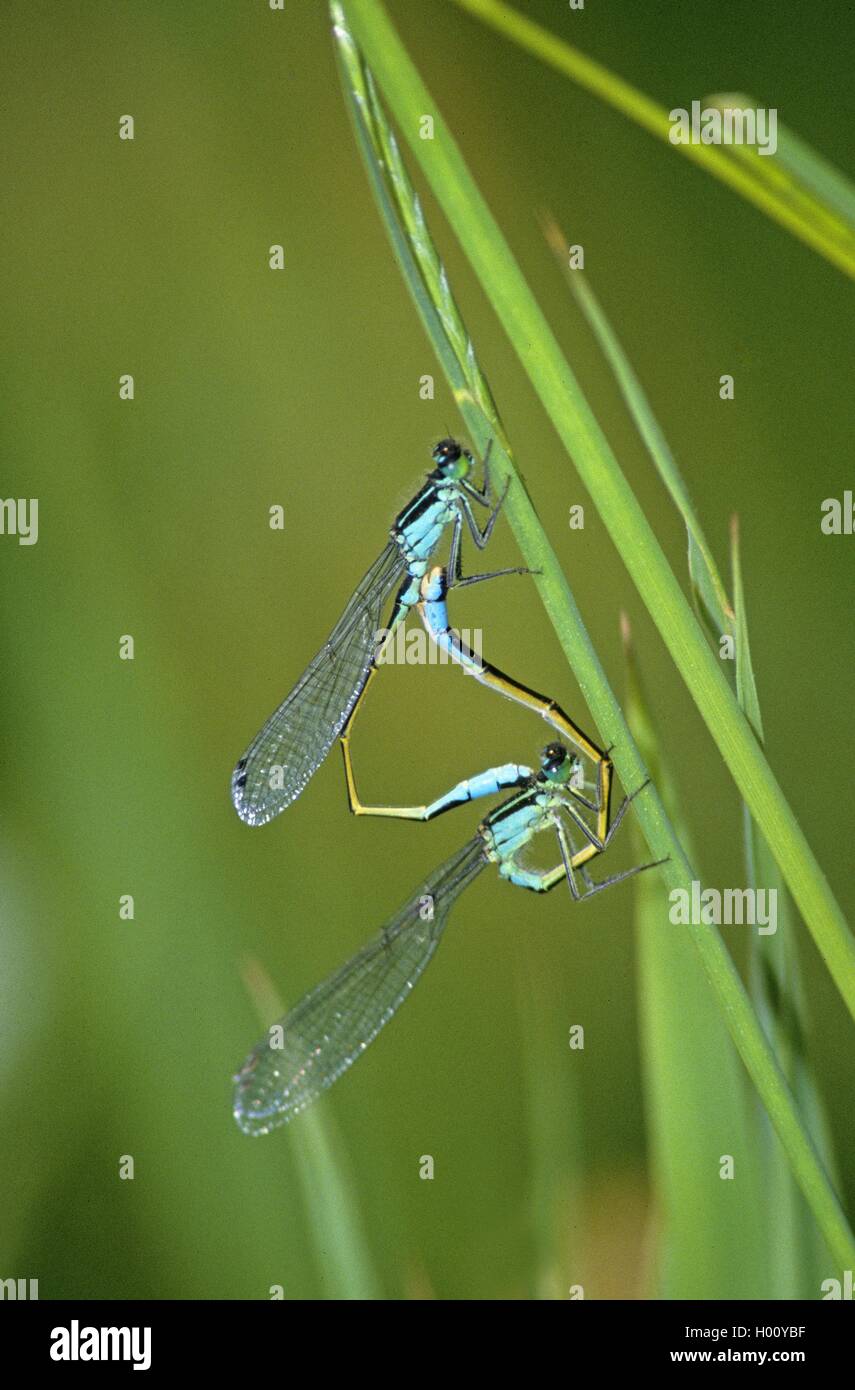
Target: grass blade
595	461
697	1111
793	169
797	1254
554	1125
807	196
791	1236
343	1254
484	244
707	586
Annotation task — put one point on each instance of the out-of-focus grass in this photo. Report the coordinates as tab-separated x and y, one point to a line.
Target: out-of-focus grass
566	406
707	587
555	1120
697	1107
798	1257
795	174
342	1250
796	188
564	402
792	1262
302	388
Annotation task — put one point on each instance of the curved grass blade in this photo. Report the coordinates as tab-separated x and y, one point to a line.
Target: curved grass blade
794	169
561	396
423	271
807	207
794	1259
707	588
552	377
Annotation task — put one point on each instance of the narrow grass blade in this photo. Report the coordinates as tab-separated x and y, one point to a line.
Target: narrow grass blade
809	207
618	507
799	1259
552	377
796	1256
343	1254
554	1126
698	1111
423	271
707	588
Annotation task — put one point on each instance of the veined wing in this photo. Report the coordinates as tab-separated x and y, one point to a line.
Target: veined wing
332	1025
299	734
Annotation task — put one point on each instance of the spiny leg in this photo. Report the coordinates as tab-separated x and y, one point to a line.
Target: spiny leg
571	861
481	536
596	844
455	567
454	548
543	880
594	886
622	809
482	494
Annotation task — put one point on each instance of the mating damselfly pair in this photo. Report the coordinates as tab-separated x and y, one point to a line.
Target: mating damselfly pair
333	1024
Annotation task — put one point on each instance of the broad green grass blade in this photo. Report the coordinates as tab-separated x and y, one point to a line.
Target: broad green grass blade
707	587
809	207
798	1257
586	443
344	1257
484	243
712	1236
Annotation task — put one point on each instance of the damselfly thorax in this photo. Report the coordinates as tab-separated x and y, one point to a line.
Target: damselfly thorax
296	738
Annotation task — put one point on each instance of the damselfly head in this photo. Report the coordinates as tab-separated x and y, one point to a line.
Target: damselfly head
556	764
451	460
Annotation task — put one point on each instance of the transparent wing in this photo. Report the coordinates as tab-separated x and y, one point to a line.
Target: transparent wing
297	737
332	1025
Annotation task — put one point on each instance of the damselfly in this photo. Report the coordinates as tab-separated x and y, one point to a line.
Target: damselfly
298	735
433	610
332	1025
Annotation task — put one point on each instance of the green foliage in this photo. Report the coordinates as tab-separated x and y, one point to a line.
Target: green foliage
565	404
795	187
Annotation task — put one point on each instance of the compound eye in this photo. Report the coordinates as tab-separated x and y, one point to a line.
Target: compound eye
446	453
554	755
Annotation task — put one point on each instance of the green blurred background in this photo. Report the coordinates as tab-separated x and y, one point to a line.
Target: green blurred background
301	388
